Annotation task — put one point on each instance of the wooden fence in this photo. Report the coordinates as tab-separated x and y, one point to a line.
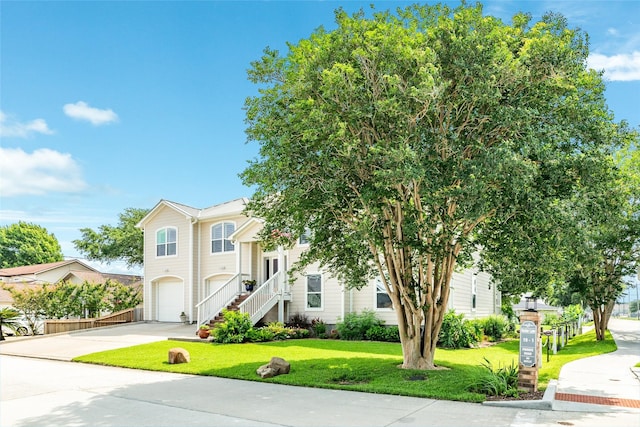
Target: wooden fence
68	325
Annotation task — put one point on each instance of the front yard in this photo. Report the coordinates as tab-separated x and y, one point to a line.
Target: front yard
365	366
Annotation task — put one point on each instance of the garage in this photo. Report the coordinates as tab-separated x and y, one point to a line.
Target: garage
170	300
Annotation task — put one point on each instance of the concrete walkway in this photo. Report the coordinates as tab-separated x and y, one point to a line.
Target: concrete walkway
41	389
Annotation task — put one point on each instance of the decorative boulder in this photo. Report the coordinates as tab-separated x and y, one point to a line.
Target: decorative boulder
179	355
266	372
280	365
276	366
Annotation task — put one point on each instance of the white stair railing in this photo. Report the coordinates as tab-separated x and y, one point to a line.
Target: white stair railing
264	298
212	305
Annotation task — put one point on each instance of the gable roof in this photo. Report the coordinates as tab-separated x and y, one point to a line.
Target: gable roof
40	268
231	207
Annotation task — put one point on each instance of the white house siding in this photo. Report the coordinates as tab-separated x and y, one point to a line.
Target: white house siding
195	266
159	269
461	295
365	298
331	309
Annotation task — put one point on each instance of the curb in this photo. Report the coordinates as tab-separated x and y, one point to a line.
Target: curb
545	404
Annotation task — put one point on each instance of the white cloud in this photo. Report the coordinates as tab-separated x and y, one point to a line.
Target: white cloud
40	172
622	67
9	127
82	111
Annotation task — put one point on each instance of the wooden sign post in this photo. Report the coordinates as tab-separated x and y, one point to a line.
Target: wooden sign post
530	349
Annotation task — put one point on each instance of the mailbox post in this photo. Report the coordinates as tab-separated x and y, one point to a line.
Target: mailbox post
530	350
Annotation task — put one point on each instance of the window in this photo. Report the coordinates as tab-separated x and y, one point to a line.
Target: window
314	291
166	242
304	238
474	291
382	297
220	237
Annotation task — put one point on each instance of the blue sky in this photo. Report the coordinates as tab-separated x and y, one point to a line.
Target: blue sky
106	105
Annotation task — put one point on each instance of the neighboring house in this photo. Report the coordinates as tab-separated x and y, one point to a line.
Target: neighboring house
538	304
73	271
196	259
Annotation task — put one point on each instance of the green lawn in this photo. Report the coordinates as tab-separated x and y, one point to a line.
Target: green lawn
348	365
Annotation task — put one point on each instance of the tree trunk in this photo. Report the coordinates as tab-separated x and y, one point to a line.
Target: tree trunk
601	316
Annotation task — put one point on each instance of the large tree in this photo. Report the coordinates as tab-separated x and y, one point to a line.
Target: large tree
395	138
608	246
25	243
124	242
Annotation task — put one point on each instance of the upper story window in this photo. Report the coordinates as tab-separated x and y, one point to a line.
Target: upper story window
304	237
167	241
220	237
382	297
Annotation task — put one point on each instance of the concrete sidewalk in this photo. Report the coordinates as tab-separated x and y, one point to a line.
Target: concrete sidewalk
605	383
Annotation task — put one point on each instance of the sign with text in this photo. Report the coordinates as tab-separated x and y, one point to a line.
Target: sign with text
528	343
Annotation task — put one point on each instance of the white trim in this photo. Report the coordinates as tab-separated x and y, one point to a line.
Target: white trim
375	296
155	246
306	292
223	252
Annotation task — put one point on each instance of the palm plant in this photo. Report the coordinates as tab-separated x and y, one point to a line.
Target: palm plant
9	318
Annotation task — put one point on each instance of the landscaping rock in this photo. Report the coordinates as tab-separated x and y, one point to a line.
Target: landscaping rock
279	365
266	372
179	355
276	366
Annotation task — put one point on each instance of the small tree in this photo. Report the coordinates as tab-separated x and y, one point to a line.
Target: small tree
31	302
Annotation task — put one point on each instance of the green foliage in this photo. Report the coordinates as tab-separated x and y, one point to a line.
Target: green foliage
67	300
405	142
572	313
383	333
30	302
355	325
456	332
122	297
502	381
495	327
25	243
9	317
233	329
123	242
319	328
551	319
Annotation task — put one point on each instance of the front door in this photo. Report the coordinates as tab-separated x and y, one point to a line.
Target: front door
270	267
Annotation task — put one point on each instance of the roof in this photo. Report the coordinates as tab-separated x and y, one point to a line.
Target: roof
39	268
232	207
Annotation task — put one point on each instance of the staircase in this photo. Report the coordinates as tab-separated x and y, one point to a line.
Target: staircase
219	318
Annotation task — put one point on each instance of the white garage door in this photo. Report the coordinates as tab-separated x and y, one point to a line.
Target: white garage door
170	301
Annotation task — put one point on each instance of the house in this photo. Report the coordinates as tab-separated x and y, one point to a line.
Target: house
72	270
195	261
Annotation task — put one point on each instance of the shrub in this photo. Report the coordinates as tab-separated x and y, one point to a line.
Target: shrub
234	328
502	381
355	326
260	335
551	319
456	332
476	328
319	328
376	333
495	327
383	333
299	321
